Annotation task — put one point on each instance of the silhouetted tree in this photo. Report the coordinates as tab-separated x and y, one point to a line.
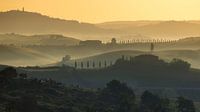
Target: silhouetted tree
152	47
9	72
179	65
88	64
75	64
184	105
99	64
153	103
6	75
117	97
93	64
23	75
82	65
105	64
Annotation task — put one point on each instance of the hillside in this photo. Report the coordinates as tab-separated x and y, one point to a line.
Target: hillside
21	22
43	40
22	50
22	94
55	47
192	56
141	71
18	56
125	24
156	29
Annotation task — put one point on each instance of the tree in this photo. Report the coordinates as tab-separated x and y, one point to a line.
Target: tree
153	103
99	64
105	64
75	64
9	72
184	105
82	65
93	64
178	64
152	47
88	64
117	97
23	75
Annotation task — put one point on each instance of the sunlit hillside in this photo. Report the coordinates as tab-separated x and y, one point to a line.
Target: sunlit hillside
23	22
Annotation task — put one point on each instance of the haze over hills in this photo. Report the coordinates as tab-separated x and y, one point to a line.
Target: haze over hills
44	32
156	29
20	50
23	22
43	40
129	24
125	24
72	56
20	56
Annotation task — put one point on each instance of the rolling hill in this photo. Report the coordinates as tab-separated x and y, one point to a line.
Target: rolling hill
23	22
146	71
156	29
192	56
19	56
43	40
46	49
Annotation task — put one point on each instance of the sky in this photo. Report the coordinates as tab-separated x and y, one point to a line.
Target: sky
96	11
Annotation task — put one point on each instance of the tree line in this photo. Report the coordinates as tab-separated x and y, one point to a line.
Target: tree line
21	94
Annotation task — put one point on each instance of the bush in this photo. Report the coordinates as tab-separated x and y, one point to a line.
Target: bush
178	64
117	97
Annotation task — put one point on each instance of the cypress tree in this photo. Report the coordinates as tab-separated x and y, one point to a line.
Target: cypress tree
99	64
88	64
82	65
75	64
93	64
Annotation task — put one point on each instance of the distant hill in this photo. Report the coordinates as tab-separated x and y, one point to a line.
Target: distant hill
43	40
18	56
22	50
156	29
125	24
21	22
47	49
190	41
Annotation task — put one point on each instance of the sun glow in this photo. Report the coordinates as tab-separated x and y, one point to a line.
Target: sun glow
110	10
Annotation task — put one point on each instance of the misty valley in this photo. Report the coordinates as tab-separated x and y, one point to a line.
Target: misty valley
54	65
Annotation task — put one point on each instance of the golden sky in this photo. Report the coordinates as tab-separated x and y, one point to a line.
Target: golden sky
95	11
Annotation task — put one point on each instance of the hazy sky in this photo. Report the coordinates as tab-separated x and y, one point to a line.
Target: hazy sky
110	10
